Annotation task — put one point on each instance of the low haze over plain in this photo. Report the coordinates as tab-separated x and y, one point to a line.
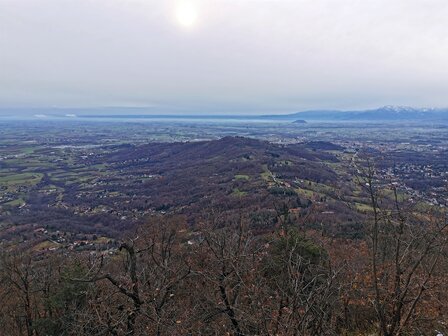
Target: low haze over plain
223	56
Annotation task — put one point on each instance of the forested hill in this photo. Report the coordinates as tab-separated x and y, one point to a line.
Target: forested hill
232	172
109	189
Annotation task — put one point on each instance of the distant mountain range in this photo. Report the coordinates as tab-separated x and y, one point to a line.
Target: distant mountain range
386	113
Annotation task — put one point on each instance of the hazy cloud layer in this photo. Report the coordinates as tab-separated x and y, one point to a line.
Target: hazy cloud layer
239	55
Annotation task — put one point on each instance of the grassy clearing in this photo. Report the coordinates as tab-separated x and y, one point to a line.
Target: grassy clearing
238	193
45	245
28	150
310	188
242	177
305	192
266	175
363	207
15	203
21	179
91	169
102	240
70	178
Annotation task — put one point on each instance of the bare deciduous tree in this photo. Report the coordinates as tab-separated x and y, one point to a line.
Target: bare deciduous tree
407	245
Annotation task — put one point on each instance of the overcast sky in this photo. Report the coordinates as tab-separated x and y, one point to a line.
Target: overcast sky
233	56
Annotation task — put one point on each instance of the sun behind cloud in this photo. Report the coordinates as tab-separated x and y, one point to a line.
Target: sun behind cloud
187	14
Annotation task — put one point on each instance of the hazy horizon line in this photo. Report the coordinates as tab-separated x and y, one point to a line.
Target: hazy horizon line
177	111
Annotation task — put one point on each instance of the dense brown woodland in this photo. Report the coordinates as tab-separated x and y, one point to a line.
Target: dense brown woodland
272	263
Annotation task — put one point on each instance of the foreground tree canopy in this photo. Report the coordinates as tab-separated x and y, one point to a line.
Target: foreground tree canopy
222	279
